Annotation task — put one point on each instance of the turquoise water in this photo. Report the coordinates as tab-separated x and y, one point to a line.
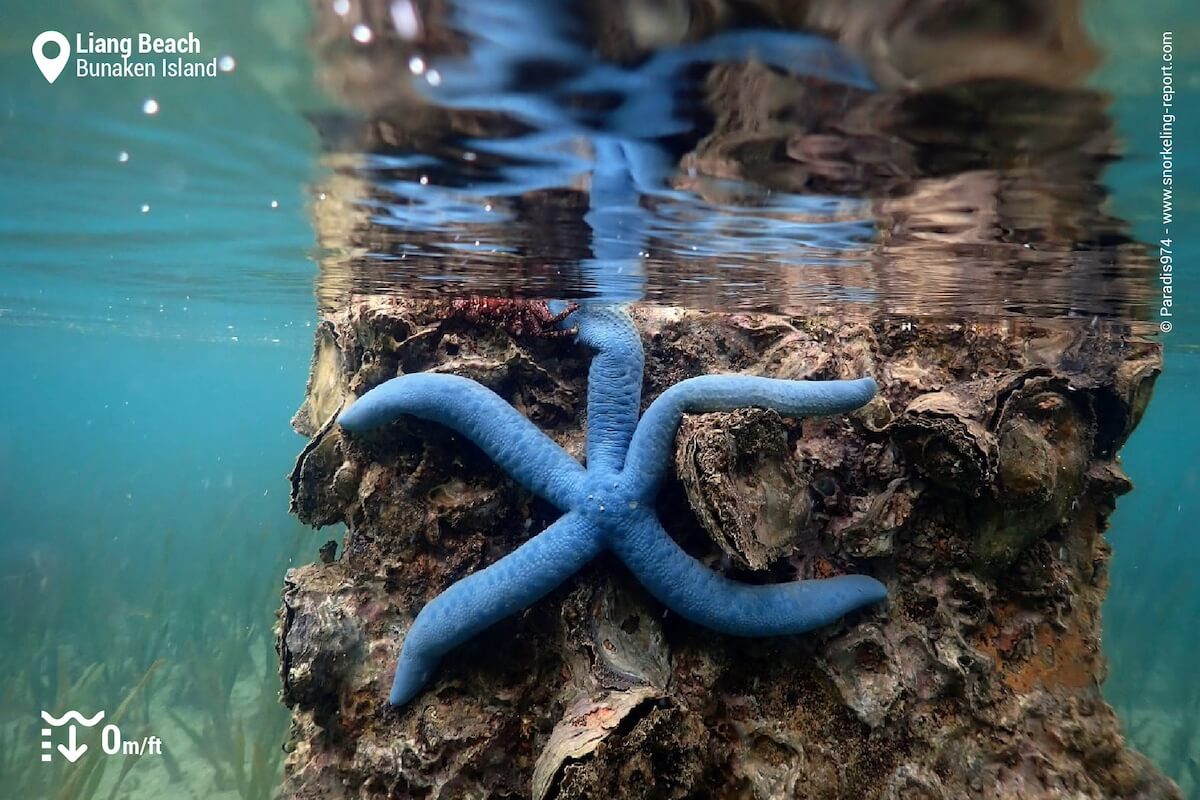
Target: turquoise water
152	360
1152	608
1151	612
149	524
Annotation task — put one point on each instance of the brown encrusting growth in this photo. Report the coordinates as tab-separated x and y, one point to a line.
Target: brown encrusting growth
977	486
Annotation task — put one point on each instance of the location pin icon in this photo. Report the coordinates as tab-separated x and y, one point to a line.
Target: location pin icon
51	67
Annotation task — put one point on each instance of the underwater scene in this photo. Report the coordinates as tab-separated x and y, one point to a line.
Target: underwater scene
599	398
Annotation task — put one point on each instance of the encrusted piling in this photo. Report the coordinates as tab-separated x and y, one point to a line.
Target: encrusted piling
968	209
977	486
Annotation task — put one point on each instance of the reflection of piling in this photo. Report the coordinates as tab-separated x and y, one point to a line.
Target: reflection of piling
953	170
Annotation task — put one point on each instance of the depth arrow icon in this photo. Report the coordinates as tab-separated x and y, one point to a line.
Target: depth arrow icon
71	750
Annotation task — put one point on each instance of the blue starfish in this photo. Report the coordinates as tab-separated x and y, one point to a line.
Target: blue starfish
611	503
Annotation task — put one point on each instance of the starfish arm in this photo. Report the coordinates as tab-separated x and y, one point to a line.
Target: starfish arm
480	600
651	449
693	591
479	414
614	384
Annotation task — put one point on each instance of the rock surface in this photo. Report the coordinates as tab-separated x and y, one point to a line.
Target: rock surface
977	486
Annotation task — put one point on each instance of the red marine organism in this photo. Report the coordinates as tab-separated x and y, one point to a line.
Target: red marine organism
517	316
